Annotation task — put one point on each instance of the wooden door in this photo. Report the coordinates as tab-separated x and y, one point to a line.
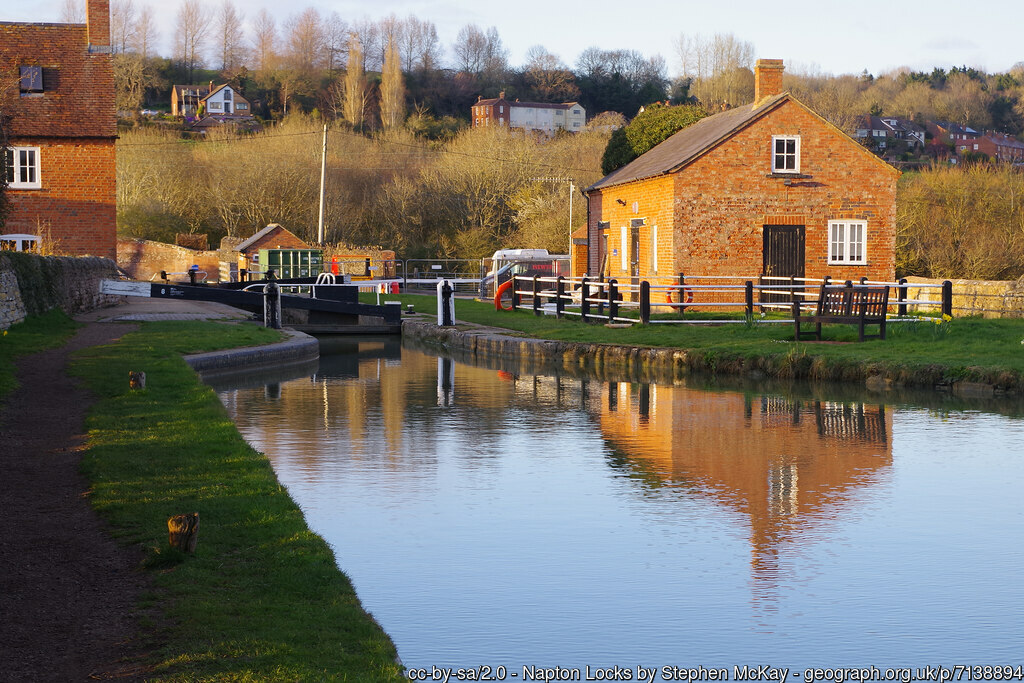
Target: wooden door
782	256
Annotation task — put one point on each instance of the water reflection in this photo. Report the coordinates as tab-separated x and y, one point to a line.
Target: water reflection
497	515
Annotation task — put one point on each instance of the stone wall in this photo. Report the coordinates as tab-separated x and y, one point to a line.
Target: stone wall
985	298
32	285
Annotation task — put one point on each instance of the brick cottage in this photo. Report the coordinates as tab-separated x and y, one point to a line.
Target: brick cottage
766	188
57	87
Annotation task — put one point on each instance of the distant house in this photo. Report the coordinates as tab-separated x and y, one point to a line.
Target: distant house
221	100
765	188
950	133
883	130
58	84
274	236
539	116
996	146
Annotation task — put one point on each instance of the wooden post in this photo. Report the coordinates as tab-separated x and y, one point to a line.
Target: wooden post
901	296
536	296
184	530
645	302
515	293
136	380
748	297
947	298
613	300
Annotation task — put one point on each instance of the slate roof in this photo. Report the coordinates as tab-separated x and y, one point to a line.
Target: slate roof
259	235
689	143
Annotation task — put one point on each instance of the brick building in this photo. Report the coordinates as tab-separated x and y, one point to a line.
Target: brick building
57	85
769	187
996	146
539	116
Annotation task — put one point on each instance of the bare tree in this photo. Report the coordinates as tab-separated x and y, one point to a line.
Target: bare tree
367	32
145	33
230	37
192	29
392	90
130	81
719	69
72	12
335	42
123	25
470	49
263	41
419	46
355	85
305	41
549	76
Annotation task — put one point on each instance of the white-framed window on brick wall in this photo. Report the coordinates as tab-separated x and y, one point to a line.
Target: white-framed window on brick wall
847	242
23	168
785	154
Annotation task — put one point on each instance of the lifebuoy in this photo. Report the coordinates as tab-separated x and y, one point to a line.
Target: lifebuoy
502	288
685	296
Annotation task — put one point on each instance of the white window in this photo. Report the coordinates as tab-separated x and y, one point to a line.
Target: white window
625	248
785	154
654	248
214	105
23	168
846	242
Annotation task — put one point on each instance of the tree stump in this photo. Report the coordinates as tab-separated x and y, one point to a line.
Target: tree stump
183	531
136	380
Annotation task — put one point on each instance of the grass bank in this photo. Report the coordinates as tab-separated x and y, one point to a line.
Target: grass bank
262	598
36	333
916	353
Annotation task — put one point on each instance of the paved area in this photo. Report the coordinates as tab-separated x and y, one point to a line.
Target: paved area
138	308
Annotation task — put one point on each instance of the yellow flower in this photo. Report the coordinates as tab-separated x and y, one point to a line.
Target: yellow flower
947	317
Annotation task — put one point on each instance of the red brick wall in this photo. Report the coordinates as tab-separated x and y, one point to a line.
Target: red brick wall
76	209
142	258
73	123
711	214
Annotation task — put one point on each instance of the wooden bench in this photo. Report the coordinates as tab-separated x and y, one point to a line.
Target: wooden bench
858	305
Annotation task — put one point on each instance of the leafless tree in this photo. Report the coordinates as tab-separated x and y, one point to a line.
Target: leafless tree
392	90
419	46
549	76
356	93
145	34
719	69
336	34
368	34
192	30
123	25
264	40
305	41
72	12
470	49
230	37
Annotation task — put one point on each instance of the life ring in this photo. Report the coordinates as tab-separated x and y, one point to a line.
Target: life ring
502	288
685	297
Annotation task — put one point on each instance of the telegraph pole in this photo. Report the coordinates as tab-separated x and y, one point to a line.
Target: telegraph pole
323	176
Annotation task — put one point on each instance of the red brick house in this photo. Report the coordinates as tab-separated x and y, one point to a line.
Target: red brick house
765	188
996	146
57	85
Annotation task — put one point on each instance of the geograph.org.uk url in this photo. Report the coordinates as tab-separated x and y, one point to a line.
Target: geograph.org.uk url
965	672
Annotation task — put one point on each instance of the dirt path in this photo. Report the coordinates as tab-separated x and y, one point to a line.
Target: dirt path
67	590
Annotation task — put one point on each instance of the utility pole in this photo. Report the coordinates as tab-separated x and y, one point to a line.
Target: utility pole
323	176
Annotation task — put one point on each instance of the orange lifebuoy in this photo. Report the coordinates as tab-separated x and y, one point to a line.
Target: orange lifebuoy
504	287
685	297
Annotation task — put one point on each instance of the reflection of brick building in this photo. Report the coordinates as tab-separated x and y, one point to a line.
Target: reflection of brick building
57	83
785	465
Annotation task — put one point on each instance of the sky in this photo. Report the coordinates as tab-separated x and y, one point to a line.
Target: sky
817	36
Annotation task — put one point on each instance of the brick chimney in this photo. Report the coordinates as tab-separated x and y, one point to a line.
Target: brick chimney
97	18
767	79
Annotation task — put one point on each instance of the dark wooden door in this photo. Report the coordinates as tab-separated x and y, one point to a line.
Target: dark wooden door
783	256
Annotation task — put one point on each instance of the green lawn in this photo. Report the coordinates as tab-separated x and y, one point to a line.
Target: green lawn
972	348
262	599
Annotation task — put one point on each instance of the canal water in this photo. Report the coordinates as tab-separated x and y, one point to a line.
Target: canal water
506	516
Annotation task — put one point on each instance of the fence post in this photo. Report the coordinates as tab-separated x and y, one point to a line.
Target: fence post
613	299
760	292
515	293
681	296
901	296
584	299
748	296
863	279
536	296
559	293
792	288
947	298
645	302
600	298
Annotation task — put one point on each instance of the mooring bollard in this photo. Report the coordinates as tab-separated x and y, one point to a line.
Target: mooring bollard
183	531
272	304
445	304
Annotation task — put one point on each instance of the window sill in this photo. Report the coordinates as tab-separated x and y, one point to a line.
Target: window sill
799	176
847	263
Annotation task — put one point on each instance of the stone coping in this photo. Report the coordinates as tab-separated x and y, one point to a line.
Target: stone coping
298	348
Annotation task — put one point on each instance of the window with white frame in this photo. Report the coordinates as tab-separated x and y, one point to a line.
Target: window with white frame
847	241
785	154
23	168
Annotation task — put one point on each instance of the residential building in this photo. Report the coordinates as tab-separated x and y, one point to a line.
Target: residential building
58	89
996	146
196	100
539	116
765	188
880	132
